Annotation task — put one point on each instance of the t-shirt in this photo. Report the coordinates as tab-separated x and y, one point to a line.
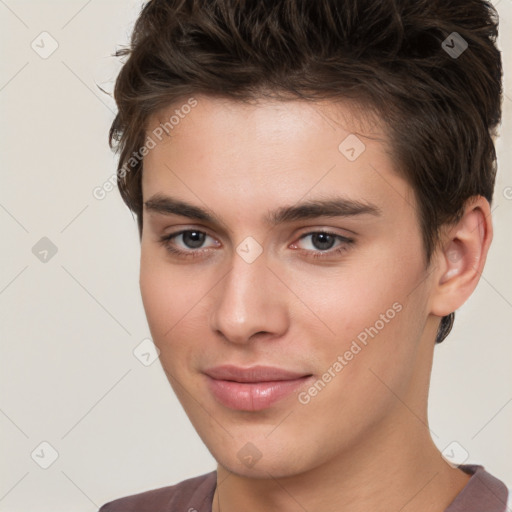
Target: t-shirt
482	493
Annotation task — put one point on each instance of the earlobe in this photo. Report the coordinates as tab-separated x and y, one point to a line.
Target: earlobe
461	259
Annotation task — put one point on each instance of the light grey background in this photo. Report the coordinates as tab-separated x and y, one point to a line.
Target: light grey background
69	325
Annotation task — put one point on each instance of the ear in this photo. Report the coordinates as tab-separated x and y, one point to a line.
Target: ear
460	258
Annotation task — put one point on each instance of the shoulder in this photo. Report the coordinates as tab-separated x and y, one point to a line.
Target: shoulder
191	495
482	492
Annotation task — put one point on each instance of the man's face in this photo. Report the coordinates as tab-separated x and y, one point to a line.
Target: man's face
347	311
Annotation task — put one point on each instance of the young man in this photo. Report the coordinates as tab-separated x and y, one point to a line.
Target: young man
312	182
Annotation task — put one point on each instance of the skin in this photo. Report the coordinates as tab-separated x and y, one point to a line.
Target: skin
363	442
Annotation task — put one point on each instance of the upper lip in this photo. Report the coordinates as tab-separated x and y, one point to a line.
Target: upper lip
253	373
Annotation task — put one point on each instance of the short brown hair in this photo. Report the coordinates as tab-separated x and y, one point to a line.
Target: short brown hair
392	57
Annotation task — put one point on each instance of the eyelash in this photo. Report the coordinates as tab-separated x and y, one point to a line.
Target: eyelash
197	253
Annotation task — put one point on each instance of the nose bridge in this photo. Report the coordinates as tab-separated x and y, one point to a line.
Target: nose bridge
244	304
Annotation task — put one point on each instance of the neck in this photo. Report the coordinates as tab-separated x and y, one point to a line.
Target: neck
390	472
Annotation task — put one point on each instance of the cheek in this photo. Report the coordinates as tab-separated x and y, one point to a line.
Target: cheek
344	302
155	293
371	350
174	299
163	295
364	311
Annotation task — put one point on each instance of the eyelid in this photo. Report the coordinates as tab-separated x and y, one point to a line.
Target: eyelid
308	232
346	242
311	230
171	236
343	239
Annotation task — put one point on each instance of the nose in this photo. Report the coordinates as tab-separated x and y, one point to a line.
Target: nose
249	300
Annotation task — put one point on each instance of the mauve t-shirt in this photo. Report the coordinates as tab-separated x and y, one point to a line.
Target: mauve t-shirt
482	493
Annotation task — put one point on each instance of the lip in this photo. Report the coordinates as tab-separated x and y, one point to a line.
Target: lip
255	388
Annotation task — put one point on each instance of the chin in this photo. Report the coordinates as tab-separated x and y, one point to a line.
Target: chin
262	469
267	460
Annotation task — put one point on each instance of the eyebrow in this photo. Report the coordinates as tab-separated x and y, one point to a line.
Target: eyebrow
311	209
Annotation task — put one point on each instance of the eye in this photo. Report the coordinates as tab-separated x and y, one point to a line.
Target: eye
322	244
187	243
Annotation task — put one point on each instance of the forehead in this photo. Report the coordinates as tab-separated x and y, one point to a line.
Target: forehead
270	151
262	119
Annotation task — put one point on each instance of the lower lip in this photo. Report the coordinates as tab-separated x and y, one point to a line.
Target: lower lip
253	396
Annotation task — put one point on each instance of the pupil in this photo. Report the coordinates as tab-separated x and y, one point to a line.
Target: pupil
323	241
193	239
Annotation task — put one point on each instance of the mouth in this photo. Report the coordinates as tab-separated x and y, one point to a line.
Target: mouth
255	388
